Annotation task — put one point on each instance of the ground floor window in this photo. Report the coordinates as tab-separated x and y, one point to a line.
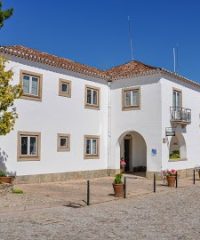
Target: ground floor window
91	146
28	146
63	142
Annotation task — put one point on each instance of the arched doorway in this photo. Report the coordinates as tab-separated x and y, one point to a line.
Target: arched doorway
177	149
134	150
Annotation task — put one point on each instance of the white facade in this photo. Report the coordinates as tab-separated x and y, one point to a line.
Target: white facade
145	126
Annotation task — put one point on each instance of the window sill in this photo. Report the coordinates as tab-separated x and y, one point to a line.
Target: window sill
67	95
177	160
63	150
91	157
31	97
28	158
130	108
95	107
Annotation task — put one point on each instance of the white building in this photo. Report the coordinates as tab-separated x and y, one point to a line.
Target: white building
77	121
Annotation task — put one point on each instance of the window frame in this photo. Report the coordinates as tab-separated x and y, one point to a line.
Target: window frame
92	105
60	148
181	97
60	92
124	106
29	96
92	156
28	157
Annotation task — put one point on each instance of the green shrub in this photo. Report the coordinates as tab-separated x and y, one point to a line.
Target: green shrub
118	178
2	173
17	191
175	154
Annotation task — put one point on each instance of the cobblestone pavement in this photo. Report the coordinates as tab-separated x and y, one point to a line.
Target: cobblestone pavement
168	214
46	195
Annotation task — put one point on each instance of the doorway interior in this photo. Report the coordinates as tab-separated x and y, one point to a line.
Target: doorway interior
133	150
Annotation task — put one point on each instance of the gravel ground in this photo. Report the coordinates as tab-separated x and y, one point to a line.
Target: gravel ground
165	215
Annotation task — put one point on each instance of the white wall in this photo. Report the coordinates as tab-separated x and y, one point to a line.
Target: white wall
146	121
56	114
138	151
191	134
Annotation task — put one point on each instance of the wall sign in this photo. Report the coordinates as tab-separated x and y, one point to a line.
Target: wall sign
153	152
170	132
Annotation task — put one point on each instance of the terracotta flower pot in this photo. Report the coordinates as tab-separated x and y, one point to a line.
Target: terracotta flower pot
7	179
118	189
171	181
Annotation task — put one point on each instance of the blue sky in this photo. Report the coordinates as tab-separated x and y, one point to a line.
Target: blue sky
95	32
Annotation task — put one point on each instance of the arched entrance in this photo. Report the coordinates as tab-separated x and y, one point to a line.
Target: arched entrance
177	148
134	150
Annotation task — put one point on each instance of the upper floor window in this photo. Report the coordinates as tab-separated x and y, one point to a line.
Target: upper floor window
91	146
28	146
130	98
64	88
32	85
177	98
92	97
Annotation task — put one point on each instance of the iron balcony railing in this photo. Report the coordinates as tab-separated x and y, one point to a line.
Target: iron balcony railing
180	114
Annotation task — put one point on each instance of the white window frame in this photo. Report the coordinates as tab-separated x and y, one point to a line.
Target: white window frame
29	156
91	138
31	84
177	96
130	106
30	95
93	90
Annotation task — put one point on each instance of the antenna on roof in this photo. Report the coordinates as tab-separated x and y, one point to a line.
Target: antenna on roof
130	37
174	58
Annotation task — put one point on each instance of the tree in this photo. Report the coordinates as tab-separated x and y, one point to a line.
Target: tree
8	93
4	14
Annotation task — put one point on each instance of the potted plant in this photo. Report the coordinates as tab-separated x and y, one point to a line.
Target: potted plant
118	185
122	165
170	176
4	178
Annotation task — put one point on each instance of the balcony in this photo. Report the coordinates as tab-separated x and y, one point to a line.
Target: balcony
180	115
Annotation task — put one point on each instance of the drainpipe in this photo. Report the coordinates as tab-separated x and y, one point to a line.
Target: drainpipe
109	126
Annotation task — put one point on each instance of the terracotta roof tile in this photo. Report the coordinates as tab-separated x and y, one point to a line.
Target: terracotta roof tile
130	68
133	68
52	60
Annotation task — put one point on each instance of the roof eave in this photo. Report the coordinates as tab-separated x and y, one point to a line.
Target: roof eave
36	59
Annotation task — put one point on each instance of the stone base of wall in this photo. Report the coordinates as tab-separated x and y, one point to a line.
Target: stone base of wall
57	177
181	173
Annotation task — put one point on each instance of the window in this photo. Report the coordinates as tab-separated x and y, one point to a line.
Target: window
64	88
177	98
63	142
92	97
31	85
131	98
28	146
91	147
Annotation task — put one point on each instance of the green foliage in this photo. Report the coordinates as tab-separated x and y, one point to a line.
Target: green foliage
2	173
4	14
118	178
8	93
17	191
175	154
